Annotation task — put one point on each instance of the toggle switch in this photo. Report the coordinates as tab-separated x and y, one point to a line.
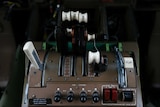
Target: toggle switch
114	94
110	95
106	94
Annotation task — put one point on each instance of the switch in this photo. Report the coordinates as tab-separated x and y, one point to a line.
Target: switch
83	97
95	97
114	95
70	96
127	96
57	96
106	94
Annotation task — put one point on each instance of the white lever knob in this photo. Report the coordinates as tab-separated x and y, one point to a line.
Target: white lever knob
91	37
83	17
69	30
66	16
32	55
74	15
93	56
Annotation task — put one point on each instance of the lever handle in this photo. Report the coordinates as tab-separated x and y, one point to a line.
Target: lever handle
32	54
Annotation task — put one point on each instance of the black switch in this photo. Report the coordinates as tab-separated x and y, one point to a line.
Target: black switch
83	97
127	96
95	97
70	96
57	96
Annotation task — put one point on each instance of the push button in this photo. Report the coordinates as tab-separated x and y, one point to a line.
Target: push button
114	95
110	95
106	94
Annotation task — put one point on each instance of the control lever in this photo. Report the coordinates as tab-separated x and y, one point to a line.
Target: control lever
32	55
94	58
122	77
103	24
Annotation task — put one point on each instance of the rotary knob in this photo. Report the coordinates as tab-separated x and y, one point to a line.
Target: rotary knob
57	96
95	97
70	96
83	97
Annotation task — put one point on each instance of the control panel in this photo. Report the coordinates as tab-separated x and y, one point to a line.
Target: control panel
82	62
67	80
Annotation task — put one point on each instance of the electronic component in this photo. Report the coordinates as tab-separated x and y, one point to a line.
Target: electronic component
72	80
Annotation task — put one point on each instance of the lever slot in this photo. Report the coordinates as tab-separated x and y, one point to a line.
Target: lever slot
73	61
60	71
122	76
84	63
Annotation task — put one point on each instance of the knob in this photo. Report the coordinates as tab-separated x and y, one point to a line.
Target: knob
83	97
57	96
95	97
70	96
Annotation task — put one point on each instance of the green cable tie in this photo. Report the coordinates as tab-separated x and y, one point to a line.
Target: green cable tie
120	47
44	45
107	47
